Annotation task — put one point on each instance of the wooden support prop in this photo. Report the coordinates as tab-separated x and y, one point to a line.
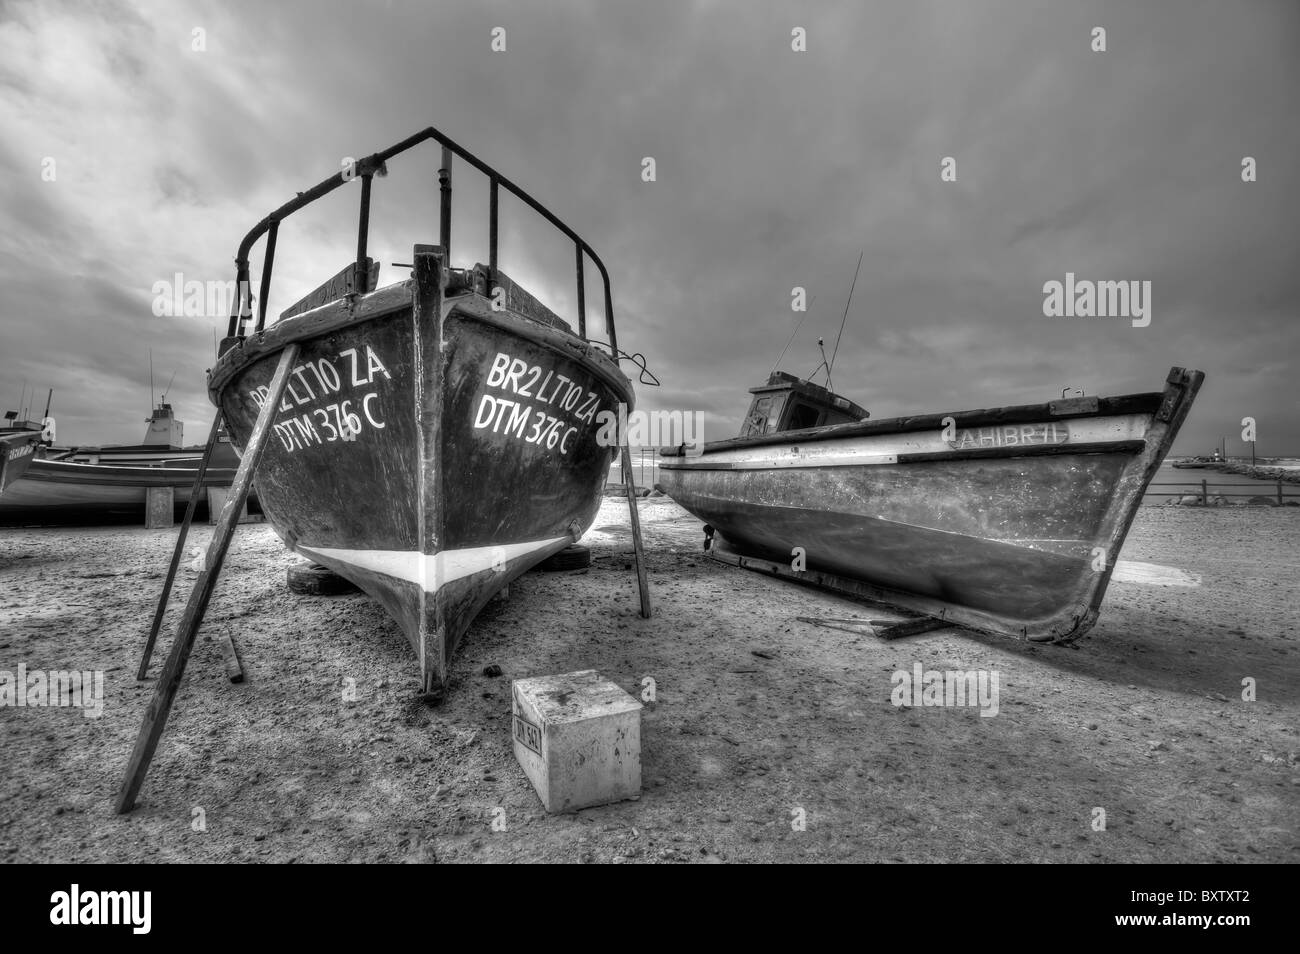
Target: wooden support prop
159	508
849	624
629	486
179	548
911	627
155	716
886	629
230	656
842	585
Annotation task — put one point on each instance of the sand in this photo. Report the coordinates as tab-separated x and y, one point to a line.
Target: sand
759	719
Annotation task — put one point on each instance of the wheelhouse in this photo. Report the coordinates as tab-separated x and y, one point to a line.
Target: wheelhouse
787	403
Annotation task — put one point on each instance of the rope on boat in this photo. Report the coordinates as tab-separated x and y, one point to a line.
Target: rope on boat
639	360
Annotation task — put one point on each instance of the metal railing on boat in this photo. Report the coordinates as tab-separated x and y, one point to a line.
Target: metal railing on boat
366	169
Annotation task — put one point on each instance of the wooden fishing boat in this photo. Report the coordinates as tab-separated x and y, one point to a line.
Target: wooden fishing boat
17	451
437	436
1198	463
163	445
1007	520
60	492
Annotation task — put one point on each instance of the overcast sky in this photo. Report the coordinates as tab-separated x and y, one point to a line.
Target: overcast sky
774	168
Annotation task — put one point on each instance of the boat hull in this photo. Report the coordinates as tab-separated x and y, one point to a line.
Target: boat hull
61	493
17	451
429	448
1006	520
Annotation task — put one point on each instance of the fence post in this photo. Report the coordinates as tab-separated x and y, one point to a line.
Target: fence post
1279	491
1205	495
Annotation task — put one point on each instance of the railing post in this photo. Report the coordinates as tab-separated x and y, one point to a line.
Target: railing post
492	233
1205	495
242	309
361	276
1279	491
444	210
609	319
582	295
267	263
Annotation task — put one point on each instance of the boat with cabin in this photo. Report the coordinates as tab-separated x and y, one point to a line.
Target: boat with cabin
1007	520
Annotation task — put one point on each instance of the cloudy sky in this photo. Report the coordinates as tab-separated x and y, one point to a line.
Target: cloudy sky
129	155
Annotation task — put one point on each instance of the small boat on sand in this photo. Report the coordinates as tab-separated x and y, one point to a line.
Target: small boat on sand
63	493
78	486
17	451
1007	520
1199	463
437	436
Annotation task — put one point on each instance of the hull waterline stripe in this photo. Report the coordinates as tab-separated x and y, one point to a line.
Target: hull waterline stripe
430	571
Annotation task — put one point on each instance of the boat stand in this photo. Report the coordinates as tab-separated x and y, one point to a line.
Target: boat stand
886	629
155	716
638	553
143	671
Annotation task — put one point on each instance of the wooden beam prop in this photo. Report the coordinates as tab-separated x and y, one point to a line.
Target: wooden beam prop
886	629
841	585
155	716
230	656
143	671
638	554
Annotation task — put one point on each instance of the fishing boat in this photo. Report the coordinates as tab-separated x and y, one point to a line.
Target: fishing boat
435	437
1198	463
63	493
1007	520
62	486
163	445
17	451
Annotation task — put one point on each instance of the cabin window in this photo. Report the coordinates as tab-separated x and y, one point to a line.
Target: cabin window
803	415
764	415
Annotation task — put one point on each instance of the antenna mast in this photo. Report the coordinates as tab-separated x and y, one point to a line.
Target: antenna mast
836	349
795	332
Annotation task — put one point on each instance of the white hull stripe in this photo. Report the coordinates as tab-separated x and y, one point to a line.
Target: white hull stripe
431	571
886	448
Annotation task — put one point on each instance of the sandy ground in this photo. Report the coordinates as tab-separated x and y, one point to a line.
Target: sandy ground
1143	719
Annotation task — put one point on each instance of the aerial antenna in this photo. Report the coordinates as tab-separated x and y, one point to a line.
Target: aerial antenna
825	364
836	350
796	331
48	399
169	387
151	404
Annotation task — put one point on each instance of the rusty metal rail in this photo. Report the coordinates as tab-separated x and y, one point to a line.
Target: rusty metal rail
366	169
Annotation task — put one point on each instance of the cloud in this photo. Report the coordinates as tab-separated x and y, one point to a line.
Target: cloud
775	169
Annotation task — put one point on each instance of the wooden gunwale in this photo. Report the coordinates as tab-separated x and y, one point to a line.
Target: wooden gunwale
1147	403
352	310
979	453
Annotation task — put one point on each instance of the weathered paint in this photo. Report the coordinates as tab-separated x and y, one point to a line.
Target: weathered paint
17	451
415	431
1003	536
61	492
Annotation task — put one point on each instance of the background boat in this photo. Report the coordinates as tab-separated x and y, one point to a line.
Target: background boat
17	450
1007	520
63	493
